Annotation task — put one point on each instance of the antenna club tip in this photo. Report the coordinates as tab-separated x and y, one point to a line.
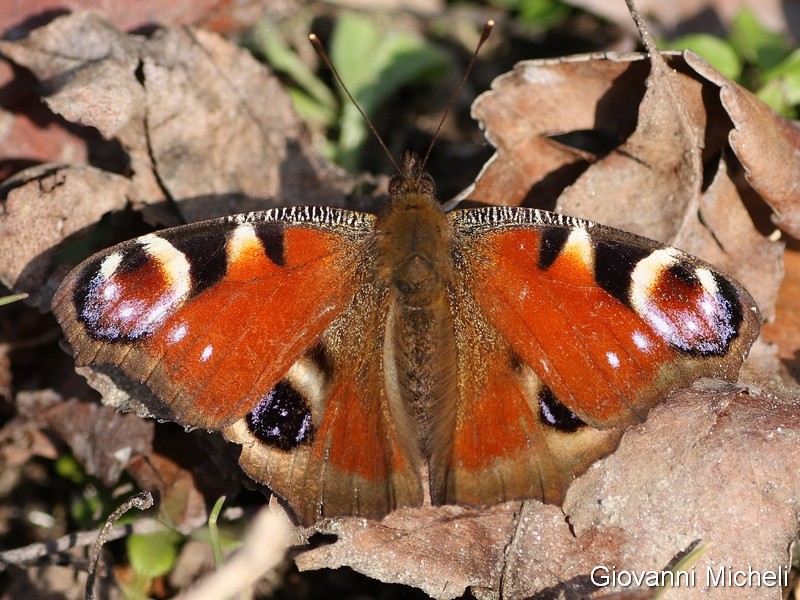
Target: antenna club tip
487	30
312	37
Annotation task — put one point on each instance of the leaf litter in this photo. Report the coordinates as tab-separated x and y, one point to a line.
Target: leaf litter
602	136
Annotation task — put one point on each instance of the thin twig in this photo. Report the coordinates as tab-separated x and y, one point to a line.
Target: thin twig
142	501
33	553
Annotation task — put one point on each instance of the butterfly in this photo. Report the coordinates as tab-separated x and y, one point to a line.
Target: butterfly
366	362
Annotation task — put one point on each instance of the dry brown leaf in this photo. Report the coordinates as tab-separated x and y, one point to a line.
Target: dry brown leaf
541	99
189	472
103	440
42	206
767	145
441	550
720	468
200	118
785	331
215	15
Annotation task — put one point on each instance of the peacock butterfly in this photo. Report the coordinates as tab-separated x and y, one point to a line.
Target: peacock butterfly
480	355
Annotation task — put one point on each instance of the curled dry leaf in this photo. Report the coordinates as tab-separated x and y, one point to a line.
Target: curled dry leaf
103	440
441	550
767	145
785	331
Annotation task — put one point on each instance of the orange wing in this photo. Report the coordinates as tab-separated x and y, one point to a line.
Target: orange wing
575	331
232	323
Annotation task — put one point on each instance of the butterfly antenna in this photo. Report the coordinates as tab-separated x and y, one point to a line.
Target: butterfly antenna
487	30
315	41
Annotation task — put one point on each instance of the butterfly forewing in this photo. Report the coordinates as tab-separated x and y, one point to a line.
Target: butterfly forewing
211	315
610	321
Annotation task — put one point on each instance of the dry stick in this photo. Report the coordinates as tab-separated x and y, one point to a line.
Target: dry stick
142	501
32	553
649	44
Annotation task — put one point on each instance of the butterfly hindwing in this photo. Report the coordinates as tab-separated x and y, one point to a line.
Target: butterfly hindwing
361	455
512	439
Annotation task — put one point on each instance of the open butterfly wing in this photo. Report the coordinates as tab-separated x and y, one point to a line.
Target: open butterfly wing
596	326
252	325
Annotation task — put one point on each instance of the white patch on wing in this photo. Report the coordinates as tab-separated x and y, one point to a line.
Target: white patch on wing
579	246
697	321
243	242
178	333
645	278
640	341
110	292
173	264
114	307
308	380
175	268
110	265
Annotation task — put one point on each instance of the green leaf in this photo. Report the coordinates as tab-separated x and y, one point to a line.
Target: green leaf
68	468
267	39
718	53
545	14
787	72
374	64
760	47
216	545
86	506
774	95
312	111
153	554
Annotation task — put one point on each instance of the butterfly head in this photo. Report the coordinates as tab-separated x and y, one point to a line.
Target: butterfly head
411	179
